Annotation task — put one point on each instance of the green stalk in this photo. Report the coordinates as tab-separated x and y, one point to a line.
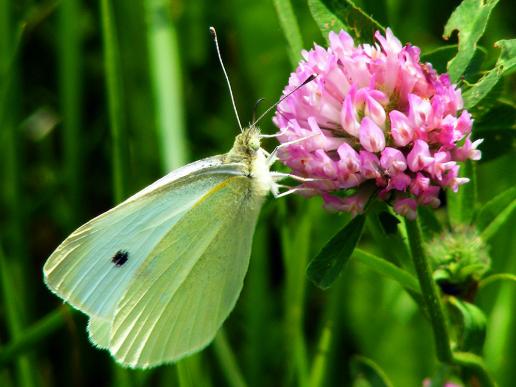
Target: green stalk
384	267
14	288
31	336
320	363
430	292
9	136
496	277
228	361
257	308
190	372
114	92
167	87
14	320
295	240
70	95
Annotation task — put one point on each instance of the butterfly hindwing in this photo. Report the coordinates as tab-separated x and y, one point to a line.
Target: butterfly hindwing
190	282
99	331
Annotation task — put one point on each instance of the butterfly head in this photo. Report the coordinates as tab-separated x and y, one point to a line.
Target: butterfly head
246	145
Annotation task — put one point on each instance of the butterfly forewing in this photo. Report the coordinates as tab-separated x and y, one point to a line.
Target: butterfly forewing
93	267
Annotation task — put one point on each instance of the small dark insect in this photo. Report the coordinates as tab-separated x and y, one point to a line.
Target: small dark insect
120	258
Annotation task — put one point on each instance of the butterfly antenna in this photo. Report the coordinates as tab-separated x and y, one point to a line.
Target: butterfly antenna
256	108
214	36
307	80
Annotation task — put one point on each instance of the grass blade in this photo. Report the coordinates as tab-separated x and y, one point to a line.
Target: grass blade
165	71
290	26
14	319
70	90
13	270
114	95
228	361
295	243
33	335
494	207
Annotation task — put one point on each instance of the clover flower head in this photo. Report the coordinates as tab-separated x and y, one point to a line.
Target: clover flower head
375	120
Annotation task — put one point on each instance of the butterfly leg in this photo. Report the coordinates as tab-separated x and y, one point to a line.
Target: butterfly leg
273	156
278	176
290	190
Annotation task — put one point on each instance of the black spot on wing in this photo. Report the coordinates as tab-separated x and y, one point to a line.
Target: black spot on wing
120	257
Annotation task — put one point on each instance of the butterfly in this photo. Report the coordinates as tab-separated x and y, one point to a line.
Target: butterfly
159	273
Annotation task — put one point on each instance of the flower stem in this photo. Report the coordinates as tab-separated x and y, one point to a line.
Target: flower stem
430	293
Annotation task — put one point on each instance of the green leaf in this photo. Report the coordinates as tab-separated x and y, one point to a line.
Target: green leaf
389	222
475	364
497	142
505	65
387	269
290	27
325	18
507	58
363	368
472	72
470	20
333	15
324	269
498	129
440	57
472	325
495	213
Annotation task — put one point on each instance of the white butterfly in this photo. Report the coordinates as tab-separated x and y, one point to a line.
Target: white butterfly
159	273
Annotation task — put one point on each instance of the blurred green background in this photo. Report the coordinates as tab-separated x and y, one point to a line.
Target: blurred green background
66	157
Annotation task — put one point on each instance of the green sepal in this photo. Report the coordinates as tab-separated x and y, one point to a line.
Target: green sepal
471	323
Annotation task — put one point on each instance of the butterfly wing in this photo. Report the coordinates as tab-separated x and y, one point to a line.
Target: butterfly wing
191	280
93	267
99	330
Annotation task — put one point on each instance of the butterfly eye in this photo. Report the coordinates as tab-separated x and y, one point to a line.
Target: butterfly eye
254	144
